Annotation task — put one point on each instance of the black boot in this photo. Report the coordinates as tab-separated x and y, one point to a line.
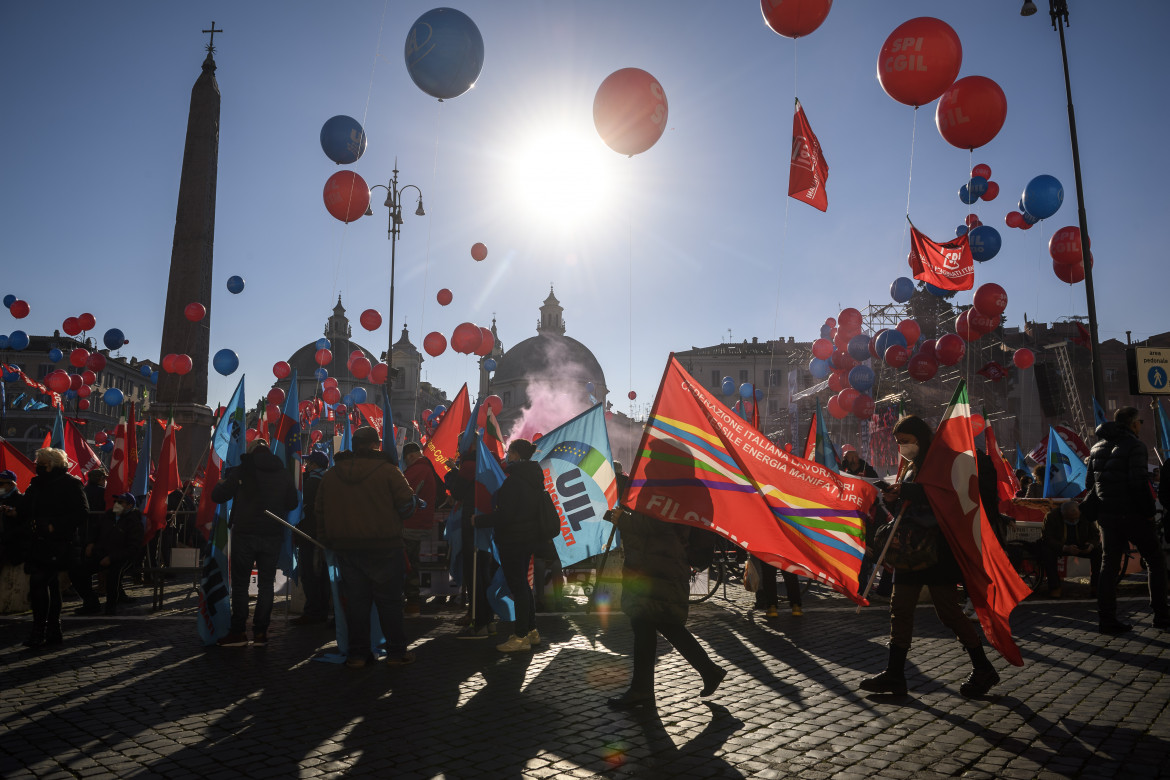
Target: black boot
982	676
36	637
91	607
53	635
632	699
893	679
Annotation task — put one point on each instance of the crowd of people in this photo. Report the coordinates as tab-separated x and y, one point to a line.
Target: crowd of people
369	519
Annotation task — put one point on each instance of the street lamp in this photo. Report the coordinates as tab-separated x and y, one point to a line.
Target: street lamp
394	203
1058	11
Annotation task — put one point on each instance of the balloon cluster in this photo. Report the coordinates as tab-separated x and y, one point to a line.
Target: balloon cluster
468	339
1065	249
1040	200
840	356
17	307
176	364
74	325
979	186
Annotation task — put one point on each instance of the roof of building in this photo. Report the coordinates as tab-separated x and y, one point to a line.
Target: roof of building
549	354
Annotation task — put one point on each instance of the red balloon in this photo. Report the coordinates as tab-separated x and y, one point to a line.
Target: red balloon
251	434
863	407
991	192
842	361
910	329
972	220
466	338
1025	224
276	396
86	321
58	381
963	327
977	424
834	407
194	311
183	364
927	348
822	349
846	397
629	111
495	403
330	381
78	357
315	436
1014	219
949	349
281	369
19	309
96	361
341	409
631	395
360	367
922	367
981	323
486	342
990	299
831	322
323	357
168	363
478	252
1065	245
435	343
84	391
981	170
71	326
1023	358
971	112
849	320
838	381
919	60
896	356
331	395
538	436
354	355
346	196
370	319
444	297
1070	273
75	382
83	405
794	18
379	373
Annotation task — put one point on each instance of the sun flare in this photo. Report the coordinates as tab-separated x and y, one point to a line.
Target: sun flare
561	176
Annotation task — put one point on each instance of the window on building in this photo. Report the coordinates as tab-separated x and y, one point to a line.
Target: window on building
774	377
1111	375
773	406
507	399
1111	406
743	375
716	381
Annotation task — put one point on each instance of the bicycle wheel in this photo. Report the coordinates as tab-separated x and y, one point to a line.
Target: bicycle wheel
705	583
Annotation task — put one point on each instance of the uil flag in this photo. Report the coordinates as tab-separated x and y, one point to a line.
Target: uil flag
1064	473
948	266
444	442
808	171
578	474
993	371
952	485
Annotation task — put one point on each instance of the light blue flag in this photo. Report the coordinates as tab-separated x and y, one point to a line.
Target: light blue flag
489	474
1021	464
1098	414
57	441
347	435
578	474
287	446
140	486
377	640
467	438
1162	429
825	452
1064	476
227	444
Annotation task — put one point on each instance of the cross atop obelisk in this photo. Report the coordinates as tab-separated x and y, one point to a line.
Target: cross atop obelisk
211	43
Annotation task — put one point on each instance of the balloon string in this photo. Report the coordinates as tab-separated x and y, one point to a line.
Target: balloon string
910	176
430	230
630	288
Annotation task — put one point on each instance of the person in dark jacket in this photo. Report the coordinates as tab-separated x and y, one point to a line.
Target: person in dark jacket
852	463
419	527
54	508
361	504
95	488
516	521
260	484
1117	475
1068	532
941	578
313	574
478	565
115	542
11	553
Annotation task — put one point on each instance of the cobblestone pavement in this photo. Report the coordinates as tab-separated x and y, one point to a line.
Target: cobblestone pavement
137	696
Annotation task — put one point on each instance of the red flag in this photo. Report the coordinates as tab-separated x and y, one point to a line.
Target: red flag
1082	338
373	415
808	171
948	266
166	479
205	512
124	459
492	438
993	371
810	445
952	485
82	457
12	459
1006	484
444	443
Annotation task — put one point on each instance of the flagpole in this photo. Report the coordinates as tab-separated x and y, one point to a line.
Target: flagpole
877	567
294	529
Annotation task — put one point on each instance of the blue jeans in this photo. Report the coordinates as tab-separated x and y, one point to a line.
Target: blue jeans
373	579
261	551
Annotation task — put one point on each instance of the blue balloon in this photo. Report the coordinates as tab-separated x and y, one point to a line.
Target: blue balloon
820	368
589	387
1031	219
827	331
235	284
961	230
858	347
9	299
144	369
759	394
728	385
745	390
977	186
321	373
113	397
966	195
71	394
3	342
343	140
887	339
154	377
358	394
323	343
438	410
108	446
861	378
347	399
444	53
901	289
18	340
55	354
114	339
1043	196
940	292
985	242
225	362
10	376
490	365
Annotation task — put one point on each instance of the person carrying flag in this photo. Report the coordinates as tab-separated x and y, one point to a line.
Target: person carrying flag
941	576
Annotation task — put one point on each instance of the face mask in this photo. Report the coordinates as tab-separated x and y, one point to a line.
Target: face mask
908	451
118	509
5	490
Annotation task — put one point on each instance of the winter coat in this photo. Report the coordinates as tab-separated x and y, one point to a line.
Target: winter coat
360	503
863	470
11	530
260	483
656	578
118	536
919	512
57	499
1117	473
95	494
310	484
516	518
1058	533
422	478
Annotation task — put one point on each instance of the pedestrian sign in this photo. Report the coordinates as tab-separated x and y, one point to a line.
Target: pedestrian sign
1149	370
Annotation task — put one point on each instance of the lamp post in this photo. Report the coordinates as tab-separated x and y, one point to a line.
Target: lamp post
394	203
1058	12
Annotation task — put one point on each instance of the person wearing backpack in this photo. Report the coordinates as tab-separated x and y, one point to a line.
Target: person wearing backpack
517	523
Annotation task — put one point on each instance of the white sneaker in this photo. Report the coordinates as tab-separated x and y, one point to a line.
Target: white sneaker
514	644
533	637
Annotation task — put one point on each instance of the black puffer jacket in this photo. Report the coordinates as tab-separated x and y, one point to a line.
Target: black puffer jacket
656	578
53	510
516	518
1117	473
261	482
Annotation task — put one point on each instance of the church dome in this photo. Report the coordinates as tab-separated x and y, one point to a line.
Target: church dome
551	355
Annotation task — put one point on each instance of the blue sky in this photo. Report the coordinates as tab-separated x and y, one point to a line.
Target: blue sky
698	228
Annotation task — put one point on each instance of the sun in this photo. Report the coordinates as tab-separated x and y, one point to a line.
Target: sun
561	176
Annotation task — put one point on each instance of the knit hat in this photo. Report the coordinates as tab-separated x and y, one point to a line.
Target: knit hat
318	458
366	435
409	447
125	498
7	476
